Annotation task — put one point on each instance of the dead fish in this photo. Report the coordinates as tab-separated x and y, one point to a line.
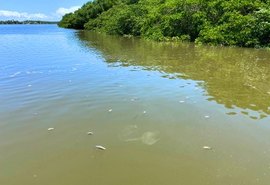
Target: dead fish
207	117
110	110
90	133
134	99
50	129
100	147
207	148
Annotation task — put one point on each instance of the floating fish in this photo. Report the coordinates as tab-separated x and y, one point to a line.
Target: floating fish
100	147
50	129
90	133
207	147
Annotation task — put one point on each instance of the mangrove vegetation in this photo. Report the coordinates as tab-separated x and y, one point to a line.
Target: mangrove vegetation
244	23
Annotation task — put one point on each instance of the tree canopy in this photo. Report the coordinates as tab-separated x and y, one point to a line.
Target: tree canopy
244	23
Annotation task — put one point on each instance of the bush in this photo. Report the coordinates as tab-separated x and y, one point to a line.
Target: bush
243	23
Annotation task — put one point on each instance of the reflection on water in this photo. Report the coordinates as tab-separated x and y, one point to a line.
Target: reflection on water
234	77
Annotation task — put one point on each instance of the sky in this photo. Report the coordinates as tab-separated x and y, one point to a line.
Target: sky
37	9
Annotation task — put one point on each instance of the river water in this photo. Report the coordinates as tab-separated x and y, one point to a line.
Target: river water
166	113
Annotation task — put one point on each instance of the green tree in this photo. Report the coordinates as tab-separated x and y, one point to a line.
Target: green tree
243	23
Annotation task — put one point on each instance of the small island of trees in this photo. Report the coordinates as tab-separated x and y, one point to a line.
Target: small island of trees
244	23
27	22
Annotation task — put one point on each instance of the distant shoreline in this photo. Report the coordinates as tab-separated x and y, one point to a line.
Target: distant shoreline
27	22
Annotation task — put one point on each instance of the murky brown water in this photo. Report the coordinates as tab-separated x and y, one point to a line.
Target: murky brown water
156	107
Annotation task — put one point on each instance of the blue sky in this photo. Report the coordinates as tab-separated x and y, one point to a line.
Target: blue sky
37	9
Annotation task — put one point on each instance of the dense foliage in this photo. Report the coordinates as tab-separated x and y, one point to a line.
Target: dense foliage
220	22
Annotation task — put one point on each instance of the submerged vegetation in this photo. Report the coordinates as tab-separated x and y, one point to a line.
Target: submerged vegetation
244	23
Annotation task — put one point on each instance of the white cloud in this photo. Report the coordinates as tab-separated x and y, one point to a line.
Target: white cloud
63	11
21	15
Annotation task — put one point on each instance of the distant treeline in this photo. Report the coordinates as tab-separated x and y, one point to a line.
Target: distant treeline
26	22
243	23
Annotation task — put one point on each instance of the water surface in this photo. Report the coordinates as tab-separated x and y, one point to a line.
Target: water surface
154	106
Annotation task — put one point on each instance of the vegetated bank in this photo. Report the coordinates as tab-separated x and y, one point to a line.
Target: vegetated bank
244	23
